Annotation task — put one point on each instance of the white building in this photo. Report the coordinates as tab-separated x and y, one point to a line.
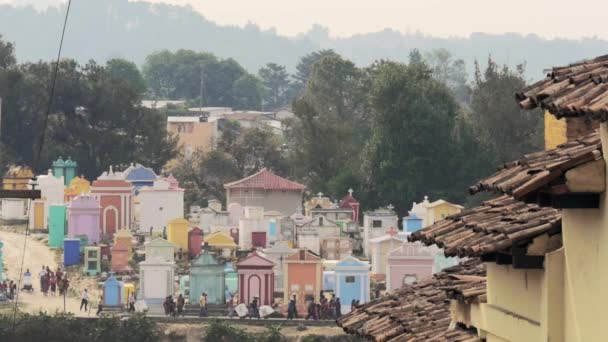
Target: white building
376	224
160	204
253	228
212	218
156	282
277	254
51	193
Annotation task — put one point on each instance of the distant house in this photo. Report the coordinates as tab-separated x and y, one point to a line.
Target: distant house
194	133
376	224
267	190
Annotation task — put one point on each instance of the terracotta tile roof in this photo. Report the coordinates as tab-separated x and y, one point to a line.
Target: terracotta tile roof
417	312
579	89
496	225
540	169
266	180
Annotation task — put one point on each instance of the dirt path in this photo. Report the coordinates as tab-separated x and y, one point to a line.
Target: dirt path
37	254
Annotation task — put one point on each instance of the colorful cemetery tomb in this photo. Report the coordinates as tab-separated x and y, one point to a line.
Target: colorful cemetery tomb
37	218
311	234
120	258
105	251
323	206
52	193
408	263
277	254
57	221
412	223
139	176
349	201
83	218
158	204
380	248
125	238
256	279
92	260
376	223
195	241
115	196
112	292
1	267
336	248
84	241
71	252
352	282
177	233
267	190
207	275
253	229
65	169
160	248
431	212
78	186
156	280
231	278
303	278
222	243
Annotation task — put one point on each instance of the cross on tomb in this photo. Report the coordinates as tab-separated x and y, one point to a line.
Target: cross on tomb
320	194
350	192
390	207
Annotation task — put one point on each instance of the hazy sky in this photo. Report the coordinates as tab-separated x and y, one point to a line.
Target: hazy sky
547	18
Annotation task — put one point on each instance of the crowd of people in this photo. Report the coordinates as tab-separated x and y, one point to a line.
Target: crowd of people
324	309
172	307
8	290
51	281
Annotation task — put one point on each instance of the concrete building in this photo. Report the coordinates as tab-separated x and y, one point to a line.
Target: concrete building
409	263
115	196
376	224
267	190
160	204
352	282
195	133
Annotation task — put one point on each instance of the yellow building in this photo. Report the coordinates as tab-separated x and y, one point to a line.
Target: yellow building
193	133
177	233
221	242
17	178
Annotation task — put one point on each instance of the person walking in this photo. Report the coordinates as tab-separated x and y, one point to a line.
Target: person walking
202	301
255	311
311	310
180	305
84	300
131	302
99	306
53	281
41	276
338	308
291	308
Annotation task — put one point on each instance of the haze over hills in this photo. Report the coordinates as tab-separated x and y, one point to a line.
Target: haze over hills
106	29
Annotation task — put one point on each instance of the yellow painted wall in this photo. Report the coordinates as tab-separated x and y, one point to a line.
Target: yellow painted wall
177	233
38	215
585	238
202	135
555	131
516	290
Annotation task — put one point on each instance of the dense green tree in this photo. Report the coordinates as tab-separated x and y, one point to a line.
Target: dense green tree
330	128
305	66
248	91
96	117
508	130
7	54
276	84
412	145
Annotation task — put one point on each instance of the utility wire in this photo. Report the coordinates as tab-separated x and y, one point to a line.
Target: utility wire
39	152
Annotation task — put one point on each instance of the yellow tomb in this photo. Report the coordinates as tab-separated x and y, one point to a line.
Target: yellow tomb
78	186
177	233
17	178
